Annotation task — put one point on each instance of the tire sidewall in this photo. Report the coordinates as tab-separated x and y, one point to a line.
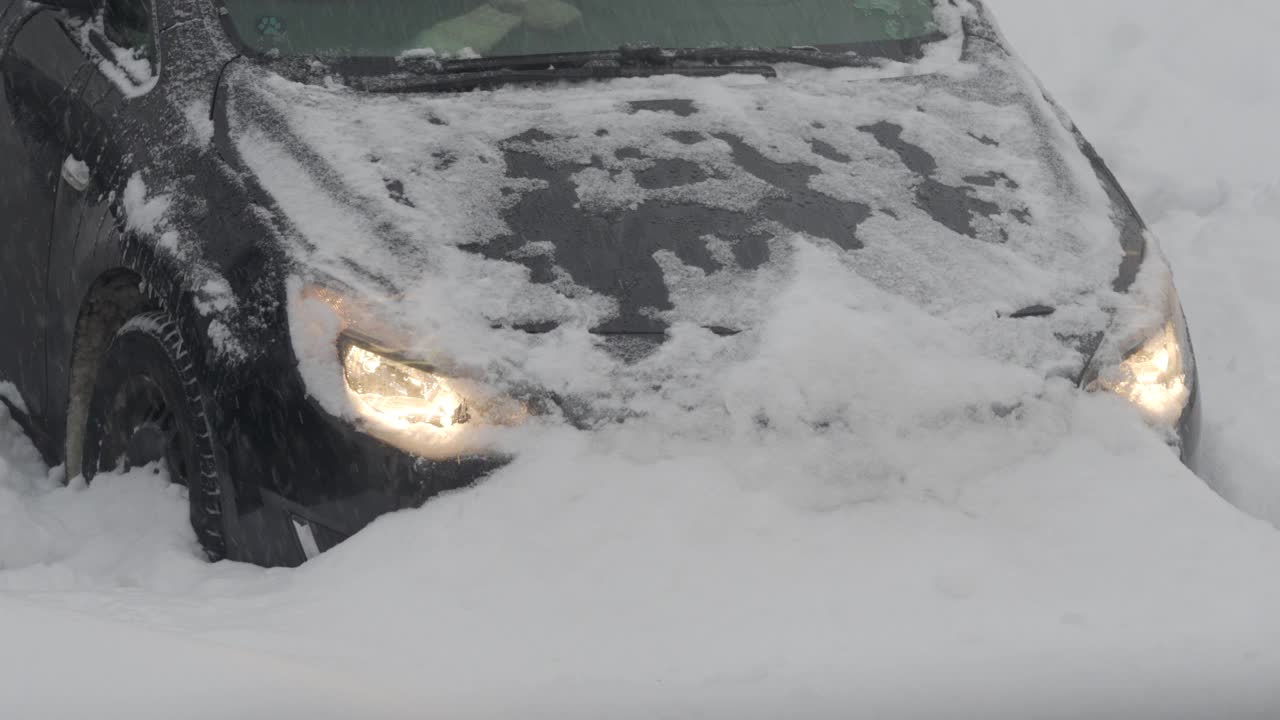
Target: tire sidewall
151	345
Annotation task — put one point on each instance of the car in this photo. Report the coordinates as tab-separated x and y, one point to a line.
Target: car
322	260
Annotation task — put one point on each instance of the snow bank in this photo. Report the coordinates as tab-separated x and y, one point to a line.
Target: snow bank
61	664
1092	573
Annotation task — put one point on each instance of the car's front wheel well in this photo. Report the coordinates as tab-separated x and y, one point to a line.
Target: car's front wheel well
113	298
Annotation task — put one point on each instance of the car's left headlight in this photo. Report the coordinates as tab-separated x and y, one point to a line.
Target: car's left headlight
1158	375
1152	376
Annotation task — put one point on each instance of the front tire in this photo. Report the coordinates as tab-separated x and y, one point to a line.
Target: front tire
147	407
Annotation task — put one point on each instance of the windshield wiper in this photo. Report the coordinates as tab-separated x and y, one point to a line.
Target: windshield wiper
435	74
453	79
716	55
648	56
446	75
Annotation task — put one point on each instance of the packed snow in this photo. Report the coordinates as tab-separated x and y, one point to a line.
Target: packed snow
1052	561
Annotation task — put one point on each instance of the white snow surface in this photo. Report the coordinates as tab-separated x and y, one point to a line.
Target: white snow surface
921	556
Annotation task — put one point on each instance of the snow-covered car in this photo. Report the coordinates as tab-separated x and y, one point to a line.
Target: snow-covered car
328	259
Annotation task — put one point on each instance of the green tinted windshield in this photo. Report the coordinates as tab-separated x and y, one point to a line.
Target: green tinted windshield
533	27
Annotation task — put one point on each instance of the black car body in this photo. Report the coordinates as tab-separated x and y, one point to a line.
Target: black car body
125	192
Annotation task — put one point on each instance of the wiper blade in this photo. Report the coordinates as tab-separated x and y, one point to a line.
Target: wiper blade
445	75
642	56
457	81
717	55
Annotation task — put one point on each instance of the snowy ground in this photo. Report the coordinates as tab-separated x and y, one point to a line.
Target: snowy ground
1064	566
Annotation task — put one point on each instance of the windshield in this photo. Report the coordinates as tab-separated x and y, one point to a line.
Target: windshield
467	28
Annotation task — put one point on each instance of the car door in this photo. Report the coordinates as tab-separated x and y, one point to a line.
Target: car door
41	72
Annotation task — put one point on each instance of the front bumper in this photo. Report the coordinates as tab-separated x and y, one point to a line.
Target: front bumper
294	462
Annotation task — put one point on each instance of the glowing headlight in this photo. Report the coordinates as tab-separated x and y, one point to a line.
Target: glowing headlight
401	398
1158	375
424	403
1152	377
400	393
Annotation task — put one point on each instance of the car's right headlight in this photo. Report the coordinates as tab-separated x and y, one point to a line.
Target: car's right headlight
399	392
405	395
1157	375
387	391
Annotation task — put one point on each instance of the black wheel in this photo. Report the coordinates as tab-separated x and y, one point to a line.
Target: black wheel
147	407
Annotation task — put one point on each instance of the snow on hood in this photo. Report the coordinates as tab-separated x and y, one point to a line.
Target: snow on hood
829	249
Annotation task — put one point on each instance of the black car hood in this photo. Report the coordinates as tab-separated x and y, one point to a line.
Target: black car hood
492	225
